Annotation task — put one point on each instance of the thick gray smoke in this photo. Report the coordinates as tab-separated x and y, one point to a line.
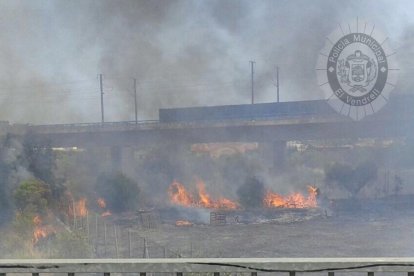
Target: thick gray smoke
182	53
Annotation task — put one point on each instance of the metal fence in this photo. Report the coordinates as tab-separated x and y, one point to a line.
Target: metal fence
212	266
86	127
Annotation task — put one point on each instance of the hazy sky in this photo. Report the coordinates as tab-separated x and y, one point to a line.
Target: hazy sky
182	53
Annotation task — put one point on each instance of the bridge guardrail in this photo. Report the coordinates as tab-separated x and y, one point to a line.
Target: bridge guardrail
132	125
94	126
215	266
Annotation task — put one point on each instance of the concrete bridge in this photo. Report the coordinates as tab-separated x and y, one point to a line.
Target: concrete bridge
144	133
395	120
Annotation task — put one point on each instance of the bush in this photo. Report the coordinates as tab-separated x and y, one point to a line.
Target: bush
32	196
120	192
71	245
251	193
351	179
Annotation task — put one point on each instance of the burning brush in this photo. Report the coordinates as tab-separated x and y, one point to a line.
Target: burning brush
102	204
295	200
179	195
40	230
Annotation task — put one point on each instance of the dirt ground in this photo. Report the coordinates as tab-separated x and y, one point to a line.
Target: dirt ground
345	235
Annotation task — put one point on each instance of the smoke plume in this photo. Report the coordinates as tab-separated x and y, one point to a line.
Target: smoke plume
182	53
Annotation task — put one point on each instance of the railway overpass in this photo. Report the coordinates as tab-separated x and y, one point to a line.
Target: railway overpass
395	120
269	122
144	133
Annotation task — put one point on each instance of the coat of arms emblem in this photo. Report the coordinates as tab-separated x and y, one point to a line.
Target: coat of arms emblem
357	69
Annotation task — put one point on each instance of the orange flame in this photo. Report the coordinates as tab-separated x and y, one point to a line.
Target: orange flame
101	203
295	200
205	200
37	220
40	231
179	195
183	223
80	208
226	203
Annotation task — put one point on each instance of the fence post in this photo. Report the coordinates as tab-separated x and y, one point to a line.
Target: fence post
129	243
87	227
116	242
96	228
146	254
105	241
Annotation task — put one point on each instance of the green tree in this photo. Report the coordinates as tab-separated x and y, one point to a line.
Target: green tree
32	196
119	191
8	165
39	158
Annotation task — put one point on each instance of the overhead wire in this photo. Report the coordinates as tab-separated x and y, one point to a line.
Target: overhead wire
87	92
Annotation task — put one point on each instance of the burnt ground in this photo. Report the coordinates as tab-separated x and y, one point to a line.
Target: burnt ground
366	234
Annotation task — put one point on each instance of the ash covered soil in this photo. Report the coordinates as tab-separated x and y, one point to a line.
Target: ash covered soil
389	234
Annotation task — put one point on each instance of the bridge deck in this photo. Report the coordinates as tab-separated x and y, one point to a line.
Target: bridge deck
153	124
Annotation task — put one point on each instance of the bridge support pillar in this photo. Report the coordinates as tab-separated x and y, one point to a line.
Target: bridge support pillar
122	159
116	158
279	155
128	160
274	155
